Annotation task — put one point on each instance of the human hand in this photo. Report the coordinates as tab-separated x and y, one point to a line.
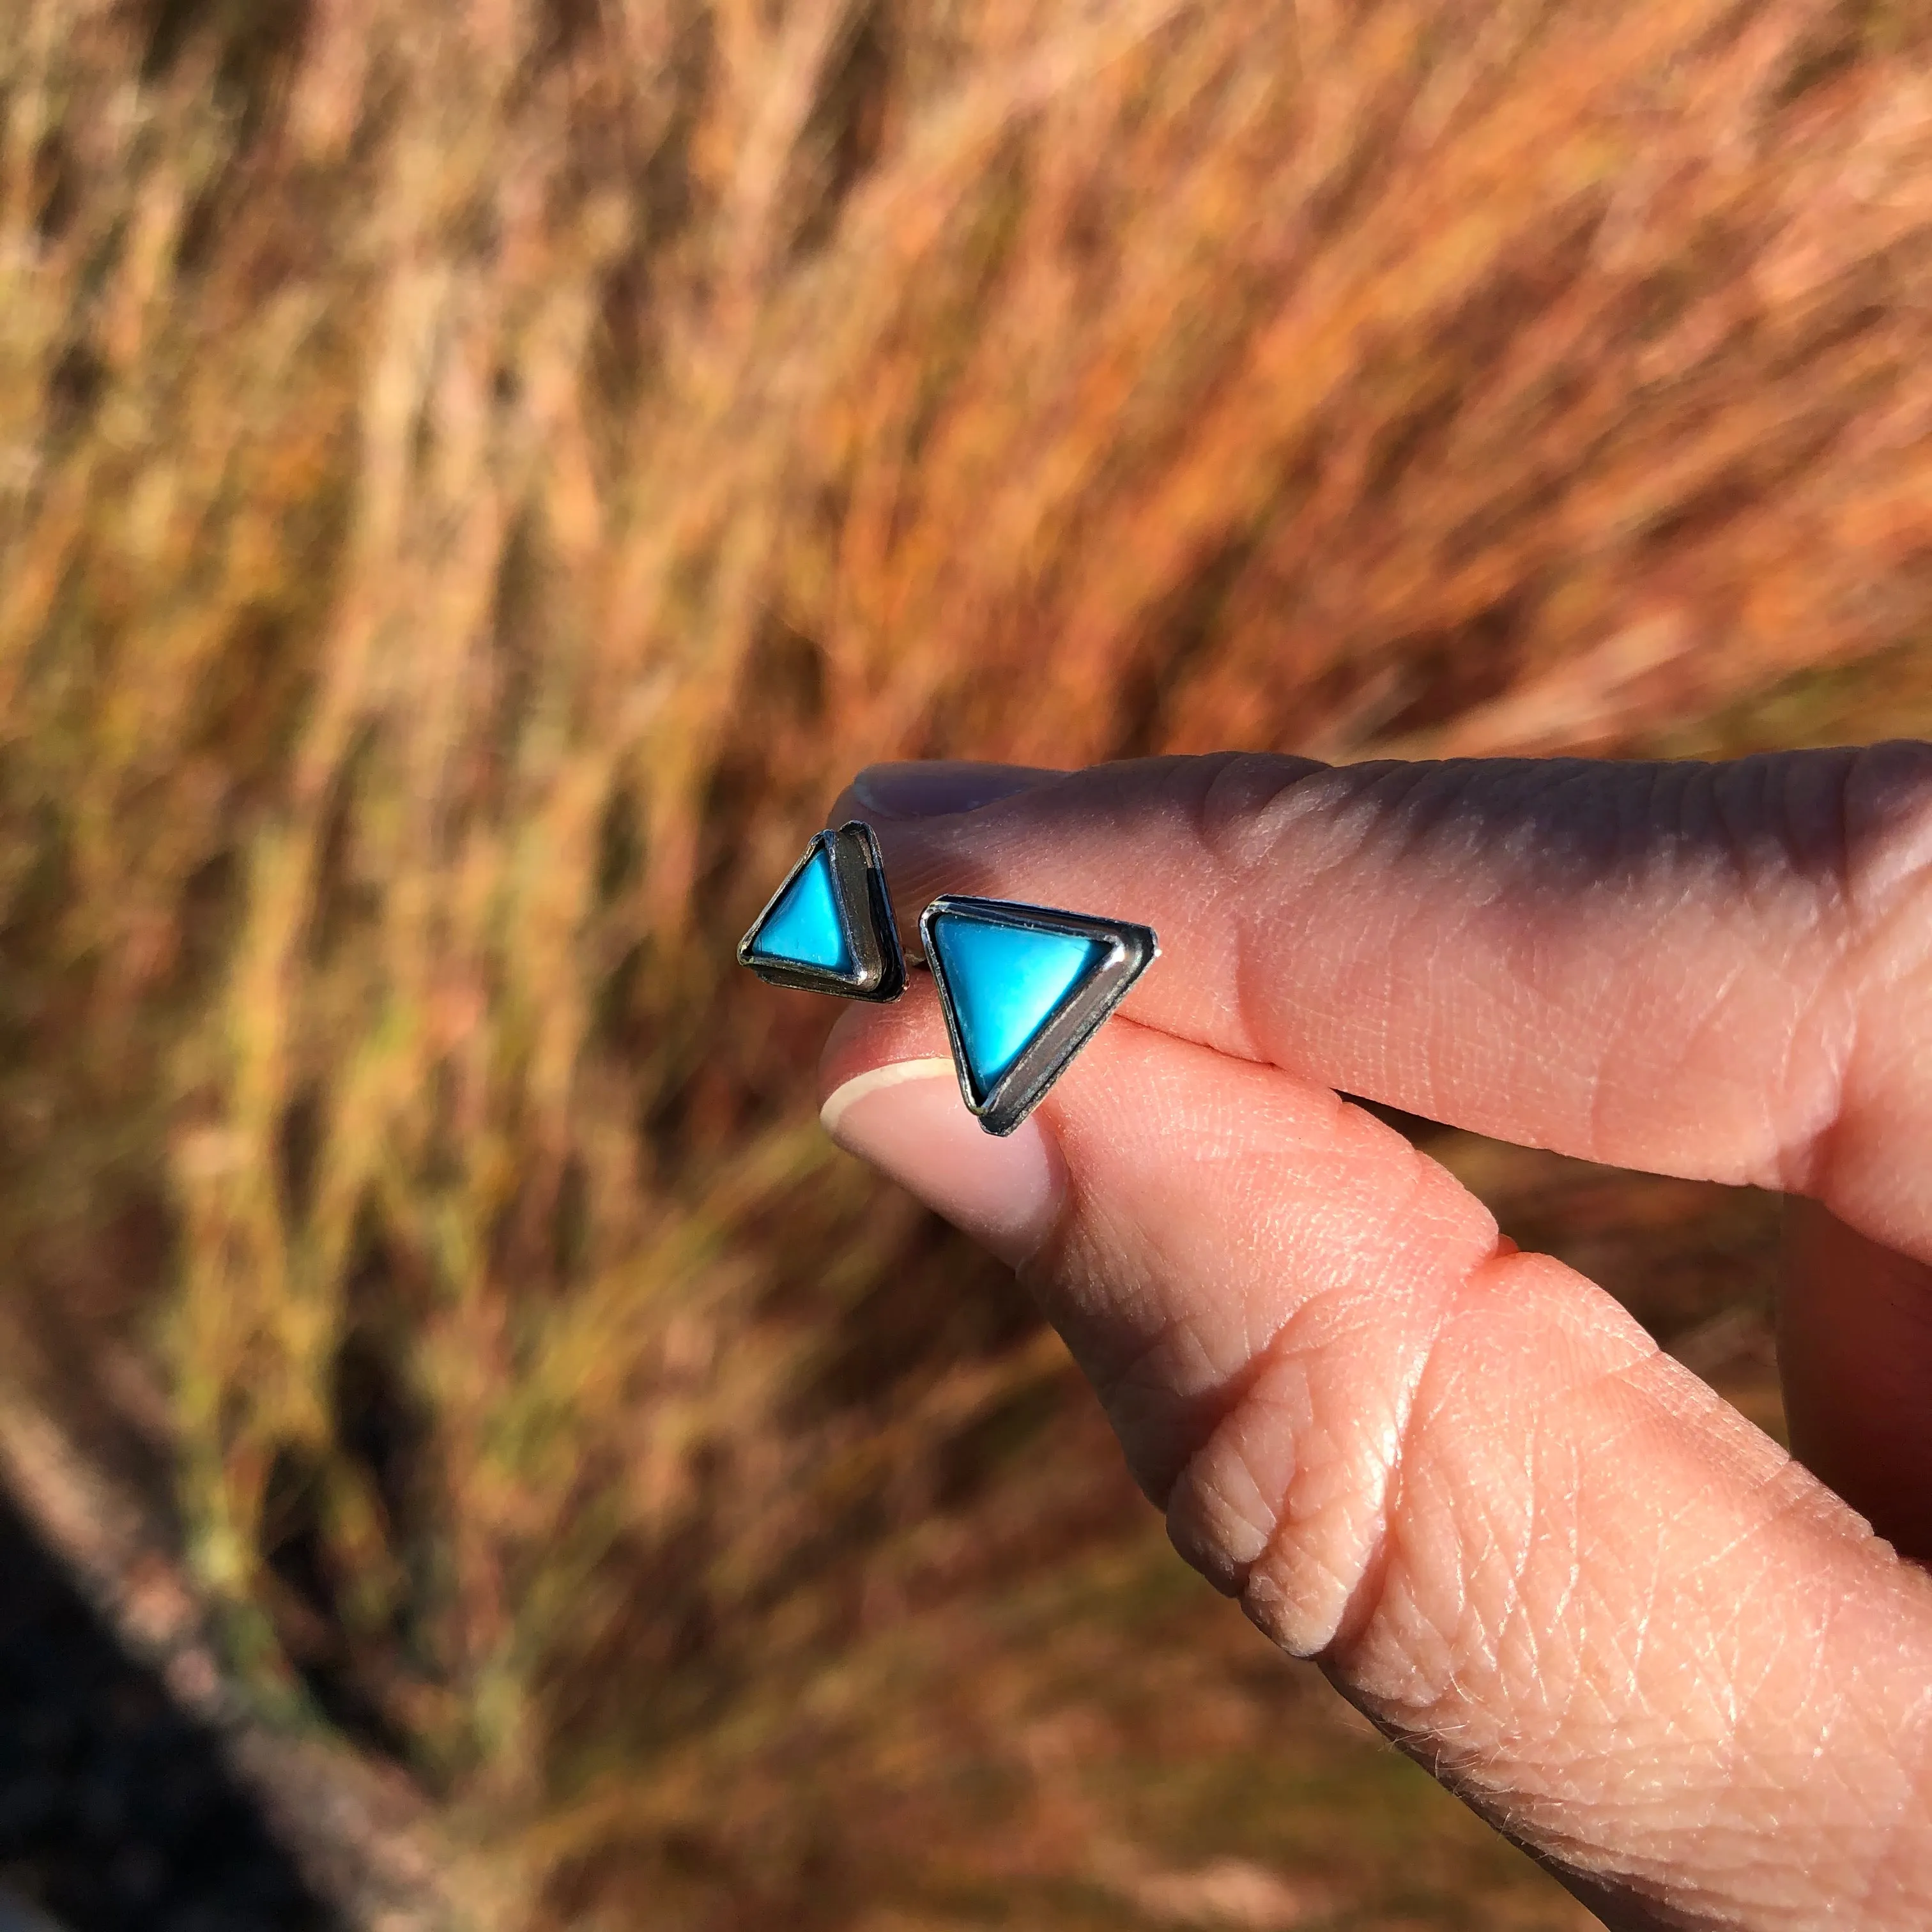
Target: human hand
1539	1554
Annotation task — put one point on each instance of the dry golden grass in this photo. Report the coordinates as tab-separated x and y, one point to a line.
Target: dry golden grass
473	481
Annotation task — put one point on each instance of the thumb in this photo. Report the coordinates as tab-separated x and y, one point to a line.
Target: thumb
1583	1590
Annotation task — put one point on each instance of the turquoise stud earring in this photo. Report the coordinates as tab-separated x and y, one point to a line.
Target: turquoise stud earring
829	928
1023	988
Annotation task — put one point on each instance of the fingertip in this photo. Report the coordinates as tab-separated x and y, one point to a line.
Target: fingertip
864	1037
939	787
848	1094
891	1096
908	1120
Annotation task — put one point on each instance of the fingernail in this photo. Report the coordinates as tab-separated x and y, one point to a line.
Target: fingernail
908	1121
942	785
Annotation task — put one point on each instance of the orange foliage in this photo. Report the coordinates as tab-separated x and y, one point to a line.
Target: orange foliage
475	479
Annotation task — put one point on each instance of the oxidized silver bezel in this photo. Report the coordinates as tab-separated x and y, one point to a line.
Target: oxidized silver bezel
1131	950
865	908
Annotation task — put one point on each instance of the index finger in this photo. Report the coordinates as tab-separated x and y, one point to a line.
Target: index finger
1715	970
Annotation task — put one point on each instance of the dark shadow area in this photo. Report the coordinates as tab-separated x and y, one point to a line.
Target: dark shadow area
1533	836
116	1814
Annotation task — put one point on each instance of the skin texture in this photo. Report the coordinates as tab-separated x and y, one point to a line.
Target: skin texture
1662	1654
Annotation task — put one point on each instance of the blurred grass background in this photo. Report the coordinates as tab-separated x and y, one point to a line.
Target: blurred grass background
476	479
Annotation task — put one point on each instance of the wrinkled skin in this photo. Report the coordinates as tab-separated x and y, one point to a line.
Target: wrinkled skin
1680	1667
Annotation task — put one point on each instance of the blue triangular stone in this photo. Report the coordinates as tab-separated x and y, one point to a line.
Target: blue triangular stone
1006	983
804	929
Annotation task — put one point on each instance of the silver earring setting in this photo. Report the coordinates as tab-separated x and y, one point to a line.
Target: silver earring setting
829	928
1023	988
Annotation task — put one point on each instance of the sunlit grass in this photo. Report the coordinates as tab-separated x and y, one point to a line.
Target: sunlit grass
475	480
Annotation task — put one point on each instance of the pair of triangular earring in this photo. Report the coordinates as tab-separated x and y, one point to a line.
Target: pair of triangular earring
1023	987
